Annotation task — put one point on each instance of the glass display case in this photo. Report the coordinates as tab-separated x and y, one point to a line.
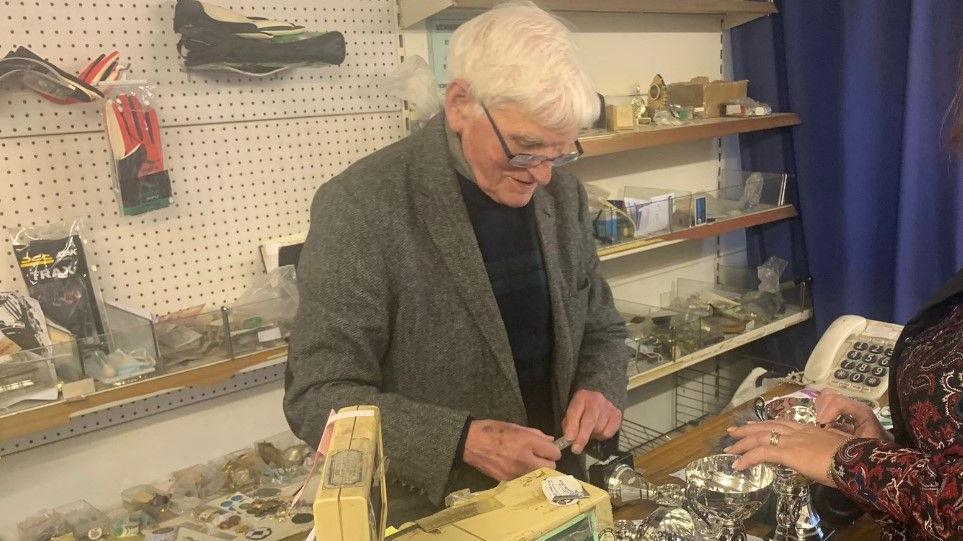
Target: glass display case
642	213
739	193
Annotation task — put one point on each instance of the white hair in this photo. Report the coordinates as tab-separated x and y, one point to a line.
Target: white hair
517	53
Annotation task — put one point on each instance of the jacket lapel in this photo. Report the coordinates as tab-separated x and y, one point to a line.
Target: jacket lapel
563	357
440	207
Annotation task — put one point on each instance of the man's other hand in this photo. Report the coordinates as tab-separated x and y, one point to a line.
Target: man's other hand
590	414
505	451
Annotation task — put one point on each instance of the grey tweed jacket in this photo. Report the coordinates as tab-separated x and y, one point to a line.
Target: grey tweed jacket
397	311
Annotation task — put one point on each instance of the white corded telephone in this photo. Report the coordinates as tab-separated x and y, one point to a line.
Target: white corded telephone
853	356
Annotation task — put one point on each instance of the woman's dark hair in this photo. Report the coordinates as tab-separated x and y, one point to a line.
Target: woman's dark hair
954	114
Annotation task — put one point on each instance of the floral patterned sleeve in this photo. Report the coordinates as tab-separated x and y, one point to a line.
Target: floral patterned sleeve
904	487
915	488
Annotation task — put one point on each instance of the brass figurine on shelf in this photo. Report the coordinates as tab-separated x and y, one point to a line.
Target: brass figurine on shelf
639	107
658	99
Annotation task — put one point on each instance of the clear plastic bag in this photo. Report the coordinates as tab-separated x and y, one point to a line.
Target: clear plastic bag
133	132
263	314
85	521
54	266
413	82
43	526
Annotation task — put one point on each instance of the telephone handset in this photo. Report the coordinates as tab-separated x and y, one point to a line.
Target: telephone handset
853	356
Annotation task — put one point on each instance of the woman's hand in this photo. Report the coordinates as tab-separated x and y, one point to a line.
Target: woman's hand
807	449
830	405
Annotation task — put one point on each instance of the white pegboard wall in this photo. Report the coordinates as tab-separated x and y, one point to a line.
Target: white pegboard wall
144	407
245	155
70	34
235	185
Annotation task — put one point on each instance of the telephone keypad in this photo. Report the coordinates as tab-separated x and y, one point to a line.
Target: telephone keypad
860	346
873	381
854	355
876	348
848	365
857	378
841	374
884	361
870	358
863	367
879	371
889	352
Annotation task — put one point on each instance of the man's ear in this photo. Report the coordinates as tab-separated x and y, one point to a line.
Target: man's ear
458	102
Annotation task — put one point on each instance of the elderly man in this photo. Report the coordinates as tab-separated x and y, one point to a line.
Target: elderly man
451	279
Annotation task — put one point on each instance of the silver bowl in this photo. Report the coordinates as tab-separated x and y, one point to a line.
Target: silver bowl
795	408
724	497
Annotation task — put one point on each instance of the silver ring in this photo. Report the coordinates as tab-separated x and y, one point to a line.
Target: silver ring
774	438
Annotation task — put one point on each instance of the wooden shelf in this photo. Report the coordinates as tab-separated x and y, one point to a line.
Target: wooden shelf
669	368
696	130
22	422
735	12
698	232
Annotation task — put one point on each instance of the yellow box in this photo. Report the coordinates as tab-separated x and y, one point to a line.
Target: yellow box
351	494
517	510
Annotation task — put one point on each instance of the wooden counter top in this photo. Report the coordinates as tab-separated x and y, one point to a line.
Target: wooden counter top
659	463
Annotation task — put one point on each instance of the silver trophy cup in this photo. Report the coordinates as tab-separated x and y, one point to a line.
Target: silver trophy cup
796	520
723	497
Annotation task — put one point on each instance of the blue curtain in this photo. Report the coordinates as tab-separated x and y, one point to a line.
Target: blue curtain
879	193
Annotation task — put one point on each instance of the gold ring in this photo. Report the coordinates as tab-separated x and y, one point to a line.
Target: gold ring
774	438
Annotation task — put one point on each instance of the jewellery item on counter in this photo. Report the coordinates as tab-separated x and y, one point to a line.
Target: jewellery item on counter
774	438
260	508
162	534
242	472
267	492
302	518
95	533
128	528
226	522
204	514
258	533
271	455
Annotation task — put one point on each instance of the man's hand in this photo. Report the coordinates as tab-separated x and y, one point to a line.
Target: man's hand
590	414
505	451
830	405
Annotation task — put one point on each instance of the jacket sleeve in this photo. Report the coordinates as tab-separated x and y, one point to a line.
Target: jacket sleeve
603	357
339	347
908	486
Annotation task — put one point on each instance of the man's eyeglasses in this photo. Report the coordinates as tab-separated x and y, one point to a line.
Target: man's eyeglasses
532	160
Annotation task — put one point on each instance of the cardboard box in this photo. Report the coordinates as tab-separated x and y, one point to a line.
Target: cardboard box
707	96
620	117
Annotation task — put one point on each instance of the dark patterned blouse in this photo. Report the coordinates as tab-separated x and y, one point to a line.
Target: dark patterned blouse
915	489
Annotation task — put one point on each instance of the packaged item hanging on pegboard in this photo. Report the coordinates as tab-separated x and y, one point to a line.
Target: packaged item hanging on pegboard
133	132
54	266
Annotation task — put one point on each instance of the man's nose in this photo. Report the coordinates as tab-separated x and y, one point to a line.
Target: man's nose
542	172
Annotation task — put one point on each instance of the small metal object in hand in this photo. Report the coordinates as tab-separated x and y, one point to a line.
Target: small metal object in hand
774	438
562	443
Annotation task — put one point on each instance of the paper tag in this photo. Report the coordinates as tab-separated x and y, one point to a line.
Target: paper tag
563	490
269	335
